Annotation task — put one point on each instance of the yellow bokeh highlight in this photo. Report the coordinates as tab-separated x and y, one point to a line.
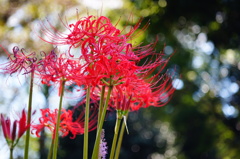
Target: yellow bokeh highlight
162	3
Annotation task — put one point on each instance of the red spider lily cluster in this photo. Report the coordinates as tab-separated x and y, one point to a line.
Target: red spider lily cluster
107	64
109	59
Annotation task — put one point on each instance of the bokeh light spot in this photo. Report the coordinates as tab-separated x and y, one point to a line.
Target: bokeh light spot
177	84
197	62
162	3
168	50
229	111
234	88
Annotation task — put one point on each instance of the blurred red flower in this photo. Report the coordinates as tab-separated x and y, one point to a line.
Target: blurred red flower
68	126
13	131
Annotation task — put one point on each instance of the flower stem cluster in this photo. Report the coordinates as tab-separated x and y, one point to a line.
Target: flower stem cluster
111	68
107	68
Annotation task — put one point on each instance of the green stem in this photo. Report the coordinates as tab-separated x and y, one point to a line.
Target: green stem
29	116
120	138
99	130
51	149
55	145
11	152
101	104
85	147
117	127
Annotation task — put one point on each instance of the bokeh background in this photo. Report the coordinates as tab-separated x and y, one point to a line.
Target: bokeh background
201	121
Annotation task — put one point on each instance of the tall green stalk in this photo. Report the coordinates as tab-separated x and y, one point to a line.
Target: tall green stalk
50	152
117	127
85	146
99	130
55	145
120	138
29	116
101	103
11	152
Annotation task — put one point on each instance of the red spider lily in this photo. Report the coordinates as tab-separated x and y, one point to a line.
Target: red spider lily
138	93
108	46
20	61
98	36
100	41
84	28
54	68
94	35
87	27
134	81
108	68
14	131
67	125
